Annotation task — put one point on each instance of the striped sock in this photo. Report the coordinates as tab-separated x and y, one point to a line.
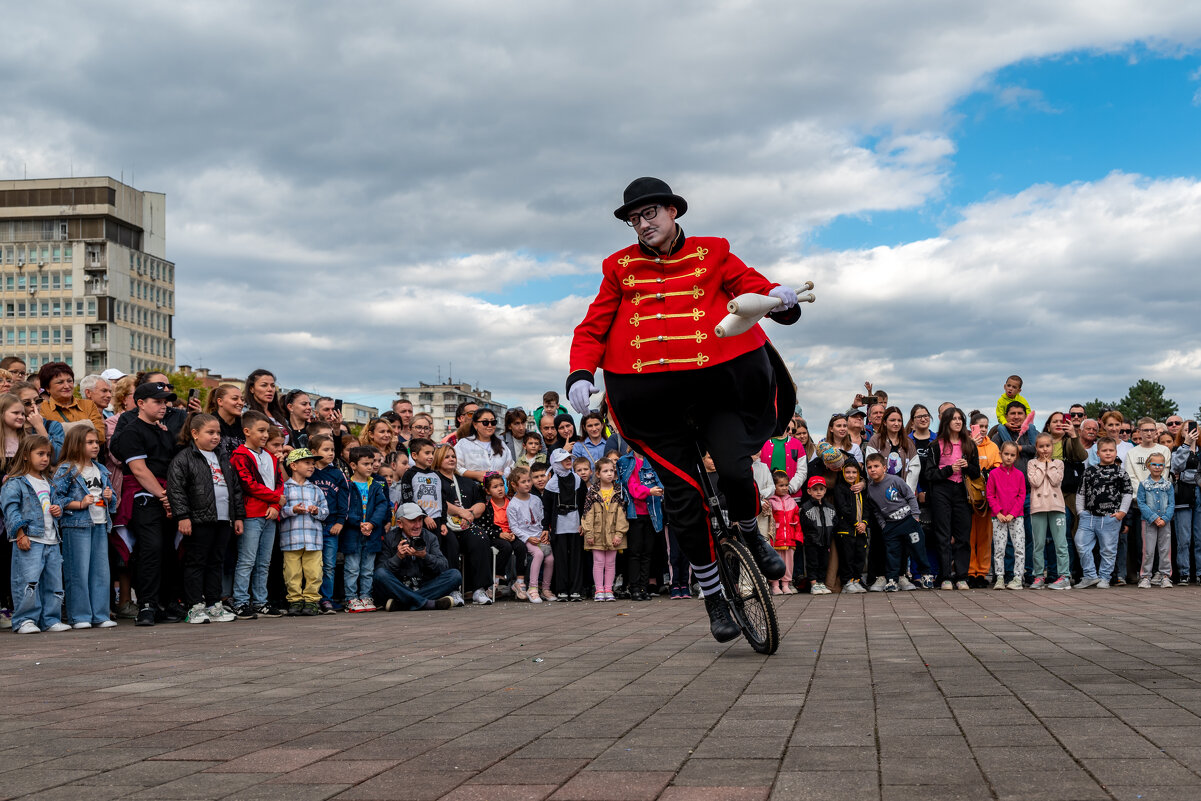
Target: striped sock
749	526
708	578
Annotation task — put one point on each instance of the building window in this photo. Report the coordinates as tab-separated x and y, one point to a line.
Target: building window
45	336
10	282
8	255
56	281
10	336
45	253
10	309
79	308
58	336
56	255
67	281
56	308
67	253
91	307
21	338
45	280
45	308
21	281
68	334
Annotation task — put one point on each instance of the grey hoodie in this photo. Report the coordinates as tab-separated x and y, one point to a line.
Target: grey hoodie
892	498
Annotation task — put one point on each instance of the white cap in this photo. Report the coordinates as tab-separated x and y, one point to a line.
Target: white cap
112	374
410	511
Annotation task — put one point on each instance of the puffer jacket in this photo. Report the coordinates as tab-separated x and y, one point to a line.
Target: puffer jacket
604	525
1046	485
190	487
68	486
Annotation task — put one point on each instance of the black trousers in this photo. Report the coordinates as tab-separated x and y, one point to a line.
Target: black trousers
568	550
952	529
203	561
901	537
156	568
817	561
676	560
640	546
729	408
852	553
476	551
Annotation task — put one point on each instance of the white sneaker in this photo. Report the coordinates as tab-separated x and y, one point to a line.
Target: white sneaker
457	598
219	614
1000	585
59	627
1103	584
83	624
480	598
1156	580
354	605
197	614
549	596
1016	584
854	586
1166	583
961	585
1144	584
878	584
946	585
905	584
28	627
108	624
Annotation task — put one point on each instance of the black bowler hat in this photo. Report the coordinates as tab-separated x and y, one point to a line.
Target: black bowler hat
649	190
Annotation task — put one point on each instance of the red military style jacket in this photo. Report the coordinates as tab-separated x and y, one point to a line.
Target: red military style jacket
656	313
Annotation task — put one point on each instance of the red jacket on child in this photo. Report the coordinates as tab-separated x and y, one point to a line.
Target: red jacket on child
258	497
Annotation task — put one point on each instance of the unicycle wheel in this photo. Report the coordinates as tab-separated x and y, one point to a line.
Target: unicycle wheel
749	597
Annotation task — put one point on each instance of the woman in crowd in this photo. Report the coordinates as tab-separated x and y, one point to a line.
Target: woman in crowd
378	434
262	396
299	410
465	501
592	446
483	452
463	413
838	435
955	459
516	426
60	403
225	403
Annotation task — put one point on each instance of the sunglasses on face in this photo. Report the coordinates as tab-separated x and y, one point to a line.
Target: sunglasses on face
1076	415
486	422
1125	430
1172	423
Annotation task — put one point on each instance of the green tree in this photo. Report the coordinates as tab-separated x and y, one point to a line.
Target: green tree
1146	399
1095	407
184	383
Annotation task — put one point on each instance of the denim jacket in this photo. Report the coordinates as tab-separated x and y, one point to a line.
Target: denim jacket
22	509
650	480
67	486
1156	499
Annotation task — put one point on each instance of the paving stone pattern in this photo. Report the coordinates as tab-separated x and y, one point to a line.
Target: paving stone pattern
928	695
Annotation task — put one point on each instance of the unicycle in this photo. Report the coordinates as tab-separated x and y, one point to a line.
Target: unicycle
743	585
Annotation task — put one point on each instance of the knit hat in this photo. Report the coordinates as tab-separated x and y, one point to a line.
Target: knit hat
832	458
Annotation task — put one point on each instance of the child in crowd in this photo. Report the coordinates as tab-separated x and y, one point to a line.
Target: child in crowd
277	440
81	487
644	513
1104	497
367	512
206	499
1157	505
603	525
817	524
539	475
262	484
1045	475
895	506
343	460
1006	499
786	517
850	535
302	510
31	520
550	407
336	489
526	517
496	513
582	468
563	499
421	484
1013	389
531	450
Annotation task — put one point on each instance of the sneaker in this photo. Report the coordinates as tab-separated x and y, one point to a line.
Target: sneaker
890	585
83	624
294	609
107	624
29	627
60	626
1000	583
1103	584
927	582
549	596
1061	583
219	614
1156	580
817	589
174	613
457	597
1183	581
327	608
600	596
445	602
905	584
1038	583
197	614
353	605
6	619
775	590
129	610
390	605
609	597
854	587
675	593
877	585
562	597
962	585
310	610
533	596
367	605
145	616
575	596
1016	584
480	598
721	625
520	590
1086	582
946	585
245	612
267	610
1166	583
1144	583
1120	582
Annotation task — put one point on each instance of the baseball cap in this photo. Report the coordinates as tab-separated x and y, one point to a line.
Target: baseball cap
817	481
856	413
154	389
409	511
296	454
112	374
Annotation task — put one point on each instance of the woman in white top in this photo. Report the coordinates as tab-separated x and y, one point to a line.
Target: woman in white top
483	452
899	452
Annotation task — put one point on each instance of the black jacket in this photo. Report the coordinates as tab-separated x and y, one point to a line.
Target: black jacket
190	487
411	570
550	503
844	505
936	475
818	523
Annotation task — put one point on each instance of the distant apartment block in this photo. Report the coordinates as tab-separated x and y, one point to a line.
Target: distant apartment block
441	400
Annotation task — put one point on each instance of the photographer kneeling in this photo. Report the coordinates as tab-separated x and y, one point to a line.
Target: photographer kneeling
414	574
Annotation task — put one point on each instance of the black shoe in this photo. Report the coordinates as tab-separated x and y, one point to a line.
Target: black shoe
245	612
172	614
769	561
721	625
267	610
295	609
145	616
622	595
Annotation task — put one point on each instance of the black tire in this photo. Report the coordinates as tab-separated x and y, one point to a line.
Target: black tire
749	597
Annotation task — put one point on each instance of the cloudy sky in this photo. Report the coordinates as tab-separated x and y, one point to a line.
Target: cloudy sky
360	195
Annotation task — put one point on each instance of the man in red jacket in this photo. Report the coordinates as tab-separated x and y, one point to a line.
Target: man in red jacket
671	382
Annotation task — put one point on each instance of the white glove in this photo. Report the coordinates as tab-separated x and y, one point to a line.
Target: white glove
580	393
785	294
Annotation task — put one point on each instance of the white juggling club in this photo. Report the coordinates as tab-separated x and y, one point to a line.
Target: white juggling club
748	309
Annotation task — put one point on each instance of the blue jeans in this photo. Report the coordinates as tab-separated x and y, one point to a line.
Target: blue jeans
1188	536
1103	531
358	571
329	562
37	585
85	569
390	586
254	557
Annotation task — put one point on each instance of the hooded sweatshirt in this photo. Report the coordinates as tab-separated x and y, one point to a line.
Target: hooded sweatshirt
1006	491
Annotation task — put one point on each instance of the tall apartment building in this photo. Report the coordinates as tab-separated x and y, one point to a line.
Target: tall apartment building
84	277
441	401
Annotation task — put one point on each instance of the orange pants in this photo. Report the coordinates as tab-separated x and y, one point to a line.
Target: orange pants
981	564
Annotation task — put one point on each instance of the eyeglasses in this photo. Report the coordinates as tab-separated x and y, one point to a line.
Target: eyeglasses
921	417
645	214
486	422
19	373
422	427
1080	416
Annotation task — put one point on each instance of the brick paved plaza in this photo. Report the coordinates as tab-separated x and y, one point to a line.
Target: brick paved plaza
926	695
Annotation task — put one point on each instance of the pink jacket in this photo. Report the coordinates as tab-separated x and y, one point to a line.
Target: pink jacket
1006	491
1046	479
638	490
792	449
